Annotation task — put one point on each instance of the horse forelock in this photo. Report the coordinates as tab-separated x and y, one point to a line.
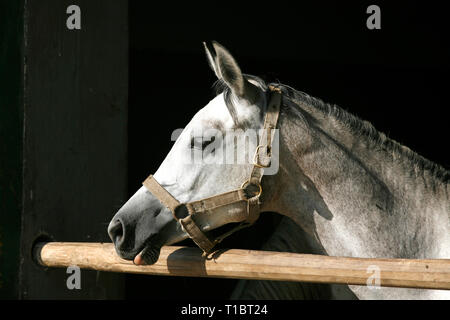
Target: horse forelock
230	99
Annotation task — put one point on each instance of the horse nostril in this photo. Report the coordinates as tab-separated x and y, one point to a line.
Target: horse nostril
115	231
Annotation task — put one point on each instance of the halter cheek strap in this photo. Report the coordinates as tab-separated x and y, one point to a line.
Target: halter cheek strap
247	195
198	208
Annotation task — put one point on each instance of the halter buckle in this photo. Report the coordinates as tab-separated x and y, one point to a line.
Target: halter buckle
256	157
247	182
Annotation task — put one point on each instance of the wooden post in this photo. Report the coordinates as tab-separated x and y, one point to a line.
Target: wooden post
251	264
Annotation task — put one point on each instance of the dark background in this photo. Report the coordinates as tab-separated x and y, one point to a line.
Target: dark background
396	78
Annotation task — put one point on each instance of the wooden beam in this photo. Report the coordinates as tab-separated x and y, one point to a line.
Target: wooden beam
251	264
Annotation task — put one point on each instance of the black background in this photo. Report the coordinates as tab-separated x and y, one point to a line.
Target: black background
396	78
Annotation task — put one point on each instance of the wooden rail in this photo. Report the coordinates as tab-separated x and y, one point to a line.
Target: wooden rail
251	264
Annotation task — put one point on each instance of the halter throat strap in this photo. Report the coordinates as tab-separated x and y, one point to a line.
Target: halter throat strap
247	196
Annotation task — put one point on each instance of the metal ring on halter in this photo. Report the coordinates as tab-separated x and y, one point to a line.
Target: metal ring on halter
246	182
255	158
178	211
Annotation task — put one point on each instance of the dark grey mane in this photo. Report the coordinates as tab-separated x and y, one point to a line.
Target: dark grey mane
357	126
366	130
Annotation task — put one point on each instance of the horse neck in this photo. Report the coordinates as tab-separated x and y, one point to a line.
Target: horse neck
354	199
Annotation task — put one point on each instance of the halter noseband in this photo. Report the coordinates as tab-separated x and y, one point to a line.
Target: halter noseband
246	196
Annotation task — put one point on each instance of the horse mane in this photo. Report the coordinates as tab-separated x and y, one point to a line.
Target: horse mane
357	126
366	130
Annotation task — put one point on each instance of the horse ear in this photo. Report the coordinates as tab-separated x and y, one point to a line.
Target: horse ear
210	55
227	69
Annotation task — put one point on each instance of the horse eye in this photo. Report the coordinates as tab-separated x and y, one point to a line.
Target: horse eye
200	143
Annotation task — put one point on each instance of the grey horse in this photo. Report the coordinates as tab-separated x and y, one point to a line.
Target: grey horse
350	189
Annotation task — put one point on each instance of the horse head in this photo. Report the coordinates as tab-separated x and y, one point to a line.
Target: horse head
209	158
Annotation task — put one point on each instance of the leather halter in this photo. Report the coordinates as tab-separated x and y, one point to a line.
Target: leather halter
247	196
